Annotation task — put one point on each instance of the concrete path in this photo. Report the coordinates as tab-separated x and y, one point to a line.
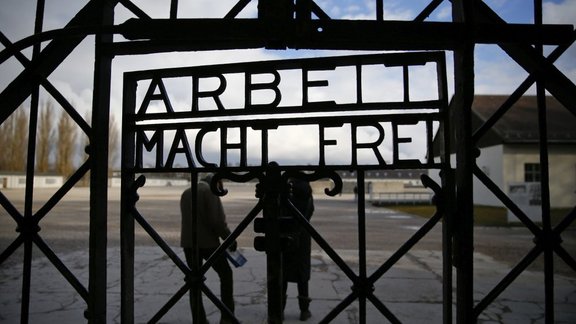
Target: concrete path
412	290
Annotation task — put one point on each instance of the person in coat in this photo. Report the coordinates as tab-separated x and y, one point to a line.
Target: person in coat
296	260
212	227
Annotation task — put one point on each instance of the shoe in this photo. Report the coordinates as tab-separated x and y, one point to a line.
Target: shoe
305	315
304	303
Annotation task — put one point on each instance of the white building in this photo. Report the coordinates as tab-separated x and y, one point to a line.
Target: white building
12	180
384	186
509	152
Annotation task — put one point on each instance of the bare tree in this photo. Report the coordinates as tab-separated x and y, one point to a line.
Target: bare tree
6	130
20	141
113	143
66	152
45	137
14	141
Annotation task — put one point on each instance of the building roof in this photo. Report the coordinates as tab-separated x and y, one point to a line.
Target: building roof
519	125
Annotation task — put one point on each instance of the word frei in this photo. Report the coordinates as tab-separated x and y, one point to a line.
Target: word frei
207	131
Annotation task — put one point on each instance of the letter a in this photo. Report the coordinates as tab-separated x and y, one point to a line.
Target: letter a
151	95
180	145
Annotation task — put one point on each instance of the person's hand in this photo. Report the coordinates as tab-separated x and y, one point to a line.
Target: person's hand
233	246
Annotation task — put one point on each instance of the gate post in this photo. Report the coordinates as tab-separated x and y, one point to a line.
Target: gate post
99	171
460	113
271	213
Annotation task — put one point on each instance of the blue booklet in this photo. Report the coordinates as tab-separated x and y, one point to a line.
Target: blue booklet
236	258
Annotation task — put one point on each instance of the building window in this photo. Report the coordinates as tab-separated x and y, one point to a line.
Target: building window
531	172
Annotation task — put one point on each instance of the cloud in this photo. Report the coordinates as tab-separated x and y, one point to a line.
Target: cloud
563	12
366	10
17	18
495	71
443	13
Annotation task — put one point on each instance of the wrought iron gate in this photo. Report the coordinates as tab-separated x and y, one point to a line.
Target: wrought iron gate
146	130
280	25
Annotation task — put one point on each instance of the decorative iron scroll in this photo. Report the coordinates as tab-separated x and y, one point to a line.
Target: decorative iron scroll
169	136
317	175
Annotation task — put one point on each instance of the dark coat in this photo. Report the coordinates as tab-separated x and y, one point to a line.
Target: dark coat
212	224
296	260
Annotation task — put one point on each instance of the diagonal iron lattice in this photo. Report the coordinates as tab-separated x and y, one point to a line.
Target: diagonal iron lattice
299	24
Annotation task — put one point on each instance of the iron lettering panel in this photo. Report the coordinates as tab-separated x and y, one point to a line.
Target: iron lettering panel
336	112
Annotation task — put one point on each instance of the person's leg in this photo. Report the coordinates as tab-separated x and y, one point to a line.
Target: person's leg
303	288
224	272
304	300
284	296
202	313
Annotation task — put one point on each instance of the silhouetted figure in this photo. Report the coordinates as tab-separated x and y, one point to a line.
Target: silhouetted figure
212	227
296	260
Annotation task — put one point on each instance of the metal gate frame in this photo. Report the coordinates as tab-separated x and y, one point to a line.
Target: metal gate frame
277	27
273	178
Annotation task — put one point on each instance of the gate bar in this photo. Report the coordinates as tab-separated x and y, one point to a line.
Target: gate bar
271	207
545	181
545	198
461	106
99	174
334	34
361	241
28	224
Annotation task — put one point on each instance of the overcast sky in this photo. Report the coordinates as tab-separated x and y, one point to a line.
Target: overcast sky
495	72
